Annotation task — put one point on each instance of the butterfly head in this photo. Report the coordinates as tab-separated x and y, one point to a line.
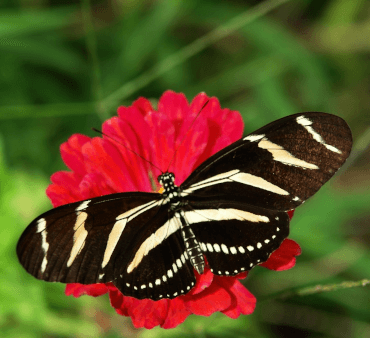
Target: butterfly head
167	181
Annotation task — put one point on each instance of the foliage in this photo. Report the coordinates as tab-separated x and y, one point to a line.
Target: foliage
66	66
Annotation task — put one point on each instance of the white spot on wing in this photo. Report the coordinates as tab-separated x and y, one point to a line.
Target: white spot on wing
306	123
79	237
41	228
253	138
83	205
224	248
207	215
281	155
257	182
113	239
233	250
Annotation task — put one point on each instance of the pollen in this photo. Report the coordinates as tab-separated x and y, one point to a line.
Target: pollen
161	190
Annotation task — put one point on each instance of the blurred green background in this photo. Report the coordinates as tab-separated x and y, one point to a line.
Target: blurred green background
65	66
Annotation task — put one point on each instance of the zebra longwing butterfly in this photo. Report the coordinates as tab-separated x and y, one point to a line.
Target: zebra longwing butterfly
231	210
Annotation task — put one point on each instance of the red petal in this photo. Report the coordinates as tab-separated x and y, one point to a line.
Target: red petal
242	301
136	139
225	126
143	105
212	299
232	127
284	257
63	189
93	185
144	313
147	313
174	105
72	155
191	148
177	313
78	290
102	157
162	145
116	300
203	281
134	131
241	275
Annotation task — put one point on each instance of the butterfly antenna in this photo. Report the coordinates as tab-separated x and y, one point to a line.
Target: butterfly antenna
183	138
152	164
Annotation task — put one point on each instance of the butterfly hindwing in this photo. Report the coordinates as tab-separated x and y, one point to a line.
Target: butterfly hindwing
278	166
165	272
236	237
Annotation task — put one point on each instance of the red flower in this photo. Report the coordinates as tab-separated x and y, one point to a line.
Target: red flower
100	166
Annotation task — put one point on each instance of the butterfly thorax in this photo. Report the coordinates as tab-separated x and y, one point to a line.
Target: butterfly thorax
193	249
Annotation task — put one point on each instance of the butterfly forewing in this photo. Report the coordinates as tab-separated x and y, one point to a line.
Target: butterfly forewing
231	210
278	166
78	242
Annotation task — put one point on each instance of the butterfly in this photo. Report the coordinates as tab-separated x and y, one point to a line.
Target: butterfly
230	213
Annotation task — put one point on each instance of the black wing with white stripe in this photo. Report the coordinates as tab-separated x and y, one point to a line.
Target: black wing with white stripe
165	272
278	166
235	237
77	242
229	213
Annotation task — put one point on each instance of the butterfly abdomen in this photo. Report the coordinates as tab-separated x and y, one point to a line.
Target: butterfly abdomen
193	249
